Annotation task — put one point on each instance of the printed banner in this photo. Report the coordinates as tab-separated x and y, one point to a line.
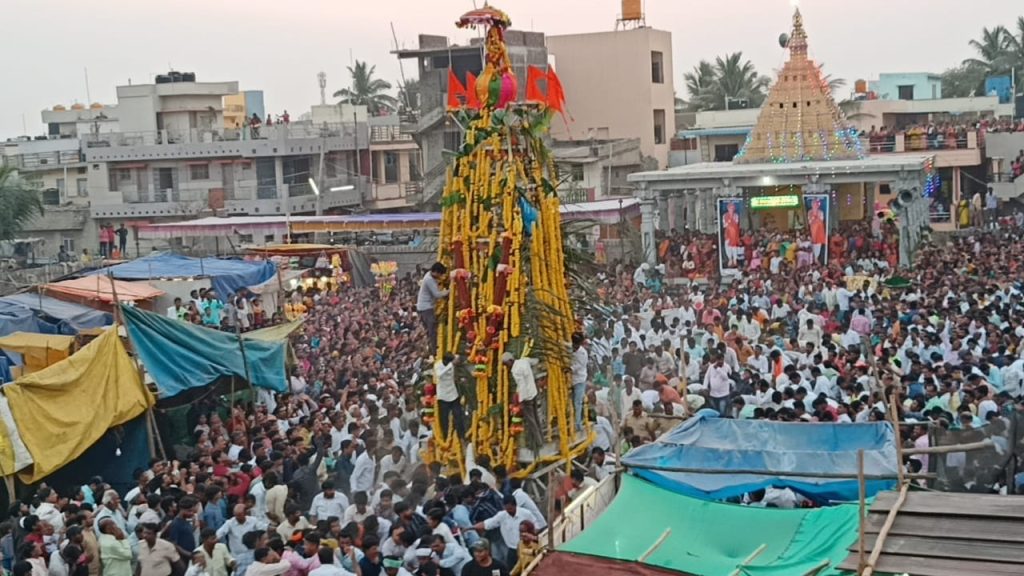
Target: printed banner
817	207
730	234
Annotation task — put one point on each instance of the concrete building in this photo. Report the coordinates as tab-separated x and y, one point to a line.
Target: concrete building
617	85
397	176
596	170
239	108
907	86
961	161
429	125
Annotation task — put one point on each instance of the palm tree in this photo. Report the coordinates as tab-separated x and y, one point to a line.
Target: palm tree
367	90
409	94
993	50
19	203
714	86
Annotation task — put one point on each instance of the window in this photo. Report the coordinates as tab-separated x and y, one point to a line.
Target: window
68	244
390	167
124	175
726	152
453	140
657	67
576	173
906	92
659	126
199	172
51	197
82	185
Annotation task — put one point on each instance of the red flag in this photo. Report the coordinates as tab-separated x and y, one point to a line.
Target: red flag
533	77
472	102
455	89
556	97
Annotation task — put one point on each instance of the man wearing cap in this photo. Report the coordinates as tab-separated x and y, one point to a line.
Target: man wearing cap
482	563
526	388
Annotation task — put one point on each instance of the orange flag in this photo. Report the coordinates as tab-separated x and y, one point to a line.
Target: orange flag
455	89
472	102
533	77
556	96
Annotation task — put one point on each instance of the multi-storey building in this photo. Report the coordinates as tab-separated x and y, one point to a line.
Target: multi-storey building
435	133
617	84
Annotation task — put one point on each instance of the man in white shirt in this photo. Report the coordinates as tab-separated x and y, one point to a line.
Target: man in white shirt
580	359
328	503
365	470
718	383
448	395
526	388
237	526
507	522
629	393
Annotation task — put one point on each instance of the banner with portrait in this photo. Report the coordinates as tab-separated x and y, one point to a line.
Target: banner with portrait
817	218
730	235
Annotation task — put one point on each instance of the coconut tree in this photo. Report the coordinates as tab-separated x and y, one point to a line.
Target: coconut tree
367	90
994	50
19	203
715	86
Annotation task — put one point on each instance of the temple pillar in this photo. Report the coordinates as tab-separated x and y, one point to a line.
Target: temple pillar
647	224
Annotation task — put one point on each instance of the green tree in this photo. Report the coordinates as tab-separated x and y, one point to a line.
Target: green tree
994	50
409	94
19	203
963	81
367	90
726	83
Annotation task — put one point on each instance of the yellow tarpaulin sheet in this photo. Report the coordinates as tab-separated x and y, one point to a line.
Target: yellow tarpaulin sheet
274	333
38	350
63	410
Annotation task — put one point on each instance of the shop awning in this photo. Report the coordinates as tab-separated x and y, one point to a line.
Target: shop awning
102	288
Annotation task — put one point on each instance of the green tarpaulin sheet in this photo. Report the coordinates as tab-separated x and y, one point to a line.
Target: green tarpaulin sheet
712	538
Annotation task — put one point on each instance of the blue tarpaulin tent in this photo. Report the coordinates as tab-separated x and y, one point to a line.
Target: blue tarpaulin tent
707	442
180	356
67	317
226	276
16	318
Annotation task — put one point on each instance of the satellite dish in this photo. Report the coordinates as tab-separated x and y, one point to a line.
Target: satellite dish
783	40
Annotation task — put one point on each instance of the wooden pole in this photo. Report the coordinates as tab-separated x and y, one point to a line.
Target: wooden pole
657	544
551	509
748	560
876	551
861	500
152	438
986	443
894	419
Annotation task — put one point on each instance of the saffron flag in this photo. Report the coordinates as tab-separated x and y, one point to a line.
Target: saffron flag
533	77
455	89
556	96
472	102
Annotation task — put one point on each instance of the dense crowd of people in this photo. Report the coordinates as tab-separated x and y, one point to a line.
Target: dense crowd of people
330	478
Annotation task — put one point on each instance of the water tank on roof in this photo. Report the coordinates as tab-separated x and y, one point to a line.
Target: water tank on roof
175	76
59	108
163	79
188	76
77	106
95	106
860	86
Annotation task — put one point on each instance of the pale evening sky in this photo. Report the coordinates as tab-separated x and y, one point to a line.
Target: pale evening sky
280	46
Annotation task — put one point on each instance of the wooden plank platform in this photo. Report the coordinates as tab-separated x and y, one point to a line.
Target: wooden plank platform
946	534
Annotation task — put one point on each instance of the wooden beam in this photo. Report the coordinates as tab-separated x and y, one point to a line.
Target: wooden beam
657	543
986	443
884	532
748	560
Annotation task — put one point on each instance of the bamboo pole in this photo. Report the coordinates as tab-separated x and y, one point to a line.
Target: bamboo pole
986	443
876	551
894	419
152	438
748	560
551	508
654	547
861	500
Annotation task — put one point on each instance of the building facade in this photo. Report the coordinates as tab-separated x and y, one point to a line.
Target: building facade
617	85
907	86
429	124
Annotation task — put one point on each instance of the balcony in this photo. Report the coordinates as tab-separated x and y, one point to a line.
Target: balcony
275	140
389	135
961	149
